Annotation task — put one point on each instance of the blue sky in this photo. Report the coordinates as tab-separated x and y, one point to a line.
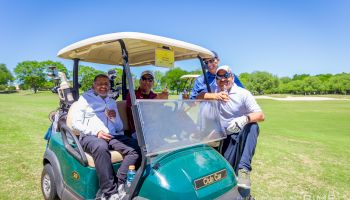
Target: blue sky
283	37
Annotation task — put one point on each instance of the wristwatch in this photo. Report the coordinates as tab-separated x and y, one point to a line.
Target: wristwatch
248	118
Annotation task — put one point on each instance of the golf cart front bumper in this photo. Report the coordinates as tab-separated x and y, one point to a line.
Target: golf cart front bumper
232	194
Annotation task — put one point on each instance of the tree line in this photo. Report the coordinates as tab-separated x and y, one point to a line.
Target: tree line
260	82
33	75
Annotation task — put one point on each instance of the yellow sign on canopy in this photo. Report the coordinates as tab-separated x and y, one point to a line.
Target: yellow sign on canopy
164	58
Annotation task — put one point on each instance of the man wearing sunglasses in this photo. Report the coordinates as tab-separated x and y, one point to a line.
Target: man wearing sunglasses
143	92
200	86
239	113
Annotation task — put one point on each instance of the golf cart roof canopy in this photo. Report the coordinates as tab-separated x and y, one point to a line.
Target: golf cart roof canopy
189	76
105	49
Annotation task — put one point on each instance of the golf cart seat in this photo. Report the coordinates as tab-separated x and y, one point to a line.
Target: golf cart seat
121	105
115	155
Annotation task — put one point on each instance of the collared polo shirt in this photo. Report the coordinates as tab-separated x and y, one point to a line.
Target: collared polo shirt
241	102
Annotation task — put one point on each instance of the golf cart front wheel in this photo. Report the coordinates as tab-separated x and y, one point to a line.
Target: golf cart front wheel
48	185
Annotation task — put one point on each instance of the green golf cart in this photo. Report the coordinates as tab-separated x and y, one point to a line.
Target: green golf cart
177	162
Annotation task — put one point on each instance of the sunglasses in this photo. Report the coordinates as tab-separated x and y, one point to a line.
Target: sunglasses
224	76
147	79
209	61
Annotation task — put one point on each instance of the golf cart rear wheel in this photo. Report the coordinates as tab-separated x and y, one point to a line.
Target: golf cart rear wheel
48	185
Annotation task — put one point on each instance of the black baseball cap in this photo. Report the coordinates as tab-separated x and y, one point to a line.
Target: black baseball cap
215	54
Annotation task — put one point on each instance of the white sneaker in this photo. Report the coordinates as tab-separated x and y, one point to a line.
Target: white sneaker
121	191
114	197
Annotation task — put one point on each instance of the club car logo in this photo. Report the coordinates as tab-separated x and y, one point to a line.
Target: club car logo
210	179
75	175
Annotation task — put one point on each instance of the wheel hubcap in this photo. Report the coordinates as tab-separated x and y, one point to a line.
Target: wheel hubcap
46	185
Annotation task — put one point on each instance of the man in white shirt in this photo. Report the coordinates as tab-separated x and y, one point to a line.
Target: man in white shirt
239	114
101	128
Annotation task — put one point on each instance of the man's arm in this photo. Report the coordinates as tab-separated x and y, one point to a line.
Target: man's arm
163	95
222	96
255	112
197	87
79	117
256	117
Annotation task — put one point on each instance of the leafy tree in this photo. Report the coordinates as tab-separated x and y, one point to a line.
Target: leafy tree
31	73
295	87
311	85
324	77
158	80
340	83
300	76
23	86
60	67
5	75
285	79
262	82
283	85
244	78
3	87
282	88
172	79
47	85
11	88
86	76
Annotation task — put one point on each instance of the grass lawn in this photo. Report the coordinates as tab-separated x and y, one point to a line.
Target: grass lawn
303	149
23	122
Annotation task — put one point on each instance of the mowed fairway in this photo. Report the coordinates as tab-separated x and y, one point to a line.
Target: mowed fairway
303	149
23	122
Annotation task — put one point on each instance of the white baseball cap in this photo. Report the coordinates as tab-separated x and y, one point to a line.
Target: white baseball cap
147	72
224	67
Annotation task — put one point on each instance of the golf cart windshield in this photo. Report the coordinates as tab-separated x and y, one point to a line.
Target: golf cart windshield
168	125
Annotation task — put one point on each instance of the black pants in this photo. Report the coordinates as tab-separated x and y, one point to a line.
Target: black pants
99	150
238	149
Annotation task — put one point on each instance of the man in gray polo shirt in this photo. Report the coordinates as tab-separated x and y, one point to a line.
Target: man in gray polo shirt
239	114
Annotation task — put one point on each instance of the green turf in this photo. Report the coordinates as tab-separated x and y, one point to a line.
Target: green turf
303	149
23	121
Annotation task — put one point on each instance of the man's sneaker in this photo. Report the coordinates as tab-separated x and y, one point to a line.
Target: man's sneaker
244	178
121	191
112	197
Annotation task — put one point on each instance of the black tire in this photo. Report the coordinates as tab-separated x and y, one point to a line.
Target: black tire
48	184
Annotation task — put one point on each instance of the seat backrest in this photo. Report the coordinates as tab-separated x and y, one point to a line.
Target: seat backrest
121	105
69	121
